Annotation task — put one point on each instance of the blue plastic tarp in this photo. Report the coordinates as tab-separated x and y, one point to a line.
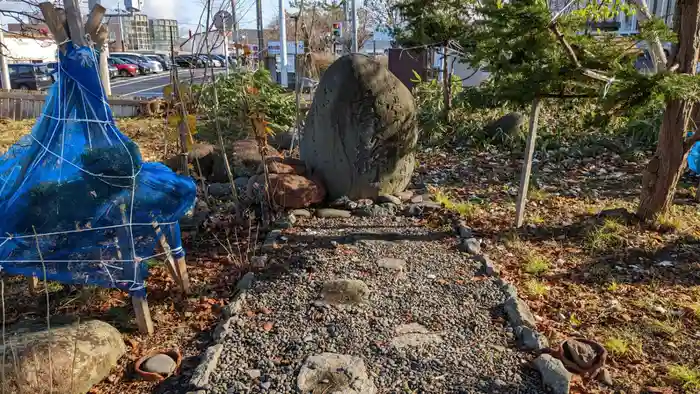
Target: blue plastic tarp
82	187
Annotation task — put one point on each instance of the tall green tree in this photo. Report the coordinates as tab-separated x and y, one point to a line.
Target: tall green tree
435	24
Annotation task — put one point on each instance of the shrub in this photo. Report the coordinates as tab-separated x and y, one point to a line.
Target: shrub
254	89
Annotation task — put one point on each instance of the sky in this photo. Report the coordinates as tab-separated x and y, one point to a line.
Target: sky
187	12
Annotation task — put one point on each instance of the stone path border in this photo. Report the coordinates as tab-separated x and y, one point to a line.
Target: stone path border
199	382
554	375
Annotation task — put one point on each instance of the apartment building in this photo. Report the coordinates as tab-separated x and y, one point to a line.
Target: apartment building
161	31
133	29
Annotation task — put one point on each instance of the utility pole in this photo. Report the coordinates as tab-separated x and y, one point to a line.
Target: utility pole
258	10
4	73
355	49
283	47
121	25
235	30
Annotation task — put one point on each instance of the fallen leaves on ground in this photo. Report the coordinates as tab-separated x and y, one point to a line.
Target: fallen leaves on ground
631	286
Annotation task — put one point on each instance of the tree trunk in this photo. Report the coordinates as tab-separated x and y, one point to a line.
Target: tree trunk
665	168
446	86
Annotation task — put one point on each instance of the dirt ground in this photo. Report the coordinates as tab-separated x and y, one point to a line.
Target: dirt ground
586	267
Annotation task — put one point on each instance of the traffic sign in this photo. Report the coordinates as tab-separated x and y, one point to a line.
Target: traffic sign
337	29
223	20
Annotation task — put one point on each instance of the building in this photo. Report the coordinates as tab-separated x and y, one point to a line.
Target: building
133	29
161	32
133	5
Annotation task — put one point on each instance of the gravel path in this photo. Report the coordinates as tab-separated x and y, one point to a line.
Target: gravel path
422	324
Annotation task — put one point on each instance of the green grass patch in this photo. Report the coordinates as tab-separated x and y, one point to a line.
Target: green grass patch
535	264
609	235
687	377
536	288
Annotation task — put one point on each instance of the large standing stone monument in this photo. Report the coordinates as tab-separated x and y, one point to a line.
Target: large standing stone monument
361	133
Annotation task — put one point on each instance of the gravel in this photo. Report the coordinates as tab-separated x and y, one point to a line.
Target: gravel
427	327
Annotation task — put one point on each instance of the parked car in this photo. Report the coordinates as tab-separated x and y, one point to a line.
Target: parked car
146	66
159	59
189	61
113	71
53	69
215	60
124	69
207	62
29	76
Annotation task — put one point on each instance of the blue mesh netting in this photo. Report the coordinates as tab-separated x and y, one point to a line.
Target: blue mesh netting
82	186
694	158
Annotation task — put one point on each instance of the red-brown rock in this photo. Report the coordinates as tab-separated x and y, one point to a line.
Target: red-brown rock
287	165
288	190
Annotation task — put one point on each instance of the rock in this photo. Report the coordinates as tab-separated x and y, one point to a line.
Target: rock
488	267
241	184
200	376
386	209
464	231
470	245
246	282
360	133
300	213
332	213
519	313
82	355
160	363
422	208
340	202
530	339
220	190
554	374
413	335
391	263
254	373
245	157
405	195
334	373
388	198
283	140
416	199
265	385
286	165
605	377
508	125
199	153
287	190
345	291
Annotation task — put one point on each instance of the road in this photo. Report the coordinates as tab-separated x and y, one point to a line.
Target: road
152	85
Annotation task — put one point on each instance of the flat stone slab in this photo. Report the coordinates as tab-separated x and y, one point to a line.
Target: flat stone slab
414	335
334	373
345	292
391	263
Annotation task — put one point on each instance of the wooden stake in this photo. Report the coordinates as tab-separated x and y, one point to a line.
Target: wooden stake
33	282
176	267
527	164
143	315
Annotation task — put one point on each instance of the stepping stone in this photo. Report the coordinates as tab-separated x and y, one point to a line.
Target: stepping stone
414	335
345	292
302	213
391	263
161	364
332	213
334	373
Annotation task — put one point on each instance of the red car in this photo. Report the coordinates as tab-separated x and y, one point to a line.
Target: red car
125	69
